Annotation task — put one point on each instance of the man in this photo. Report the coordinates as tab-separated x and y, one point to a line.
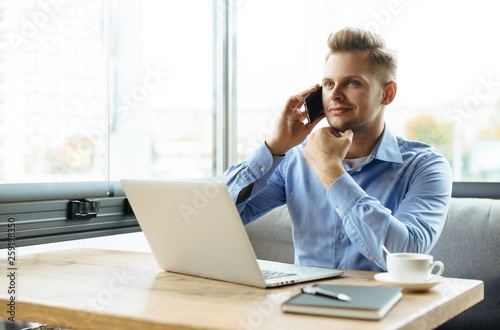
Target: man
353	186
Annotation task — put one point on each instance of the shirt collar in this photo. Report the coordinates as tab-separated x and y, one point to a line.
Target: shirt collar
388	148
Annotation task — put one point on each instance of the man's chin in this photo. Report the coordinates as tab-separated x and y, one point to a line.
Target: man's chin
339	127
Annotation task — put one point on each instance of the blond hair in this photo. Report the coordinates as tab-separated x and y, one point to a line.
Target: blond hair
384	60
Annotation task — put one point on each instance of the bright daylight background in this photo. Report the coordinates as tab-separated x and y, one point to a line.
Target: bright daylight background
80	104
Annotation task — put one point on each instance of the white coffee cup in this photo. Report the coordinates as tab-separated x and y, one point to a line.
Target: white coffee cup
412	267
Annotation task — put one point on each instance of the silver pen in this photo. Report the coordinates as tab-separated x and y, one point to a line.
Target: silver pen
318	291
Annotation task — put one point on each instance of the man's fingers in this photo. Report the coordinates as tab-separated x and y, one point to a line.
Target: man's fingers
348	134
296	101
308	91
305	93
335	132
303	116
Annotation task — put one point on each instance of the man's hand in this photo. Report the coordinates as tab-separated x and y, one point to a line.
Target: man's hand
291	129
324	152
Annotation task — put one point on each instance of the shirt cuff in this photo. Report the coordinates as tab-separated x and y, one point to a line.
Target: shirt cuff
343	194
262	163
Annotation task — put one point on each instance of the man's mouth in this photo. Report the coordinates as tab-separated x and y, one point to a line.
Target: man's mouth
339	110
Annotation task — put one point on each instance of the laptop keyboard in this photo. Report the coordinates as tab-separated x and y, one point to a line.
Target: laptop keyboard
270	274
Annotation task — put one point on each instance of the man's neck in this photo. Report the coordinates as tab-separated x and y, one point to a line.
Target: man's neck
363	143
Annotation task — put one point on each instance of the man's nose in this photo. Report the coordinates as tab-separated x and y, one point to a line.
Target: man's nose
336	93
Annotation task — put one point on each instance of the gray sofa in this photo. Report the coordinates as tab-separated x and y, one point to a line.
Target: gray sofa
469	247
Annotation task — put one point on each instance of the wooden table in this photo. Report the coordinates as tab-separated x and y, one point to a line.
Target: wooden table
103	289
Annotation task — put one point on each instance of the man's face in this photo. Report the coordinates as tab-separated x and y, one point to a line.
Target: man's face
352	93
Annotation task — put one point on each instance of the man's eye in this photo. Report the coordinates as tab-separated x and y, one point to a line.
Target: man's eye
328	84
352	83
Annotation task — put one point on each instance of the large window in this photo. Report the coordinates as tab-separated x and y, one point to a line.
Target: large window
53	91
93	91
161	86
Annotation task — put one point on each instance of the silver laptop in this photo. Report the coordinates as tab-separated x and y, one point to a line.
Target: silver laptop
193	227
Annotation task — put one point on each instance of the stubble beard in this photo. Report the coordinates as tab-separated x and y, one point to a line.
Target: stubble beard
341	127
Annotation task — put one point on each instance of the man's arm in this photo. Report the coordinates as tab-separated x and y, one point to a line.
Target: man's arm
289	132
414	226
248	189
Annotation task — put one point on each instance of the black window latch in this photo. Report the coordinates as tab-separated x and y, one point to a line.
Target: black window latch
83	209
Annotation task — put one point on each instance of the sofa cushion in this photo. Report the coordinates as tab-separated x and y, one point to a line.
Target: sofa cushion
271	236
469	247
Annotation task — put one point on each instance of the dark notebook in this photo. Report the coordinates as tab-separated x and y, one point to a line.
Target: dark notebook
368	302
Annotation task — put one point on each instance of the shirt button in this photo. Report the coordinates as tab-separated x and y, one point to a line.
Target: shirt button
341	236
262	169
337	209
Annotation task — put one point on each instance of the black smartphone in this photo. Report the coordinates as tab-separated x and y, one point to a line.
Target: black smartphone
314	105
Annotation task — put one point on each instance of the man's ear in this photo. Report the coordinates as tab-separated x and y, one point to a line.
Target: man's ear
389	92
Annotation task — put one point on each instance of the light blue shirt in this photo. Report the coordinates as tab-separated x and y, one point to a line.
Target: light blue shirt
398	197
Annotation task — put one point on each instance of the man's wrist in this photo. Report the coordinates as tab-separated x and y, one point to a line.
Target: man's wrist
332	175
276	150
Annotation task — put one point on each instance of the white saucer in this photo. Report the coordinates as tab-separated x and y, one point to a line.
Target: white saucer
386	279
